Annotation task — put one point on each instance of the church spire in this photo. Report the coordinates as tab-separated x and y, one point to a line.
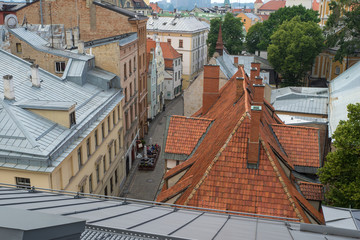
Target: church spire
227	3
219	44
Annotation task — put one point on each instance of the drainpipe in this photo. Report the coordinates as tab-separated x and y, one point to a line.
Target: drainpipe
41	14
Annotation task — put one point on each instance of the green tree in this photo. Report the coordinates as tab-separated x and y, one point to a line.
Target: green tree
232	32
343	28
293	49
340	173
258	36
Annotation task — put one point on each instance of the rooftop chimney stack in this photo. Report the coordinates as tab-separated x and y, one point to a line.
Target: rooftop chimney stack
81	47
211	86
236	61
9	93
35	76
69	39
257	66
258	80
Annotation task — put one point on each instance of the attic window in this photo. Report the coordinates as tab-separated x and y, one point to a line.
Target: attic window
22	182
18	48
72	119
164	23
59	67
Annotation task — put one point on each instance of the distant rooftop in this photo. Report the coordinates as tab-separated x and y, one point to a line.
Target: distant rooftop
130	219
176	24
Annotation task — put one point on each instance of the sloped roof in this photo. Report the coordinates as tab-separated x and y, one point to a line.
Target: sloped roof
172	24
168	51
155	7
258	1
301	144
132	15
184	134
221	178
264	17
342	217
119	219
26	145
252	16
343	90
272	5
312	191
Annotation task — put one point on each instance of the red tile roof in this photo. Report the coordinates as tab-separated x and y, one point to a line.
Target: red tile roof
155	7
264	17
315	5
312	191
258	1
272	5
220	177
150	44
301	144
168	51
184	133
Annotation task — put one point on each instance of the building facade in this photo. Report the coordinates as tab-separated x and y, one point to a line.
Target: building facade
138	6
68	132
187	35
173	71
155	78
96	20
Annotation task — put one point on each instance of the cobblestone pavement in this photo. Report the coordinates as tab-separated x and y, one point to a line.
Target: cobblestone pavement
145	185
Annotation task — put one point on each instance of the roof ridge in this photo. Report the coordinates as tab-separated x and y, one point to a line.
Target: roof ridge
194	118
310	183
27	135
215	159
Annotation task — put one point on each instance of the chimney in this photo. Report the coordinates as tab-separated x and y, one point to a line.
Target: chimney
239	87
35	77
211	86
258	80
219	44
69	39
81	47
257	66
253	72
9	93
236	61
76	33
256	116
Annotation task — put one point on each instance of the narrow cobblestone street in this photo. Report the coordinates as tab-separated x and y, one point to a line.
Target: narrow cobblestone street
144	185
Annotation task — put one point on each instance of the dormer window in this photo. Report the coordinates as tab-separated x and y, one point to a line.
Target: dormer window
60	67
72	119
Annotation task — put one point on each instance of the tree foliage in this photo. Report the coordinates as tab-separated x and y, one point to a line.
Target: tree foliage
232	32
343	28
293	49
258	36
341	171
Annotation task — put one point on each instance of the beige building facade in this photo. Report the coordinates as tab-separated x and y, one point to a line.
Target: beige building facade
187	35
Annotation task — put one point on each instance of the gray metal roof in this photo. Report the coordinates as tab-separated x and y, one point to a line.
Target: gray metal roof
342	217
343	90
42	45
172	24
252	16
27	140
149	220
300	100
123	40
226	63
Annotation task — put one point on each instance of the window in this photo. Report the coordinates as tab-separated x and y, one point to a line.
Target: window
97	169
108	120
244	20
88	147
126	99
18	48
110	155
169	41
134	64
79	157
337	70
90	184
72	119
105	191
111	185
131	89
125	76
180	43
59	67
81	189
103	130
181	56
114	117
96	137
104	164
22	182
116	176
118	112
130	68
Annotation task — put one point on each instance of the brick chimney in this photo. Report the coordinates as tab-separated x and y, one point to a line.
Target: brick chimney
211	86
236	61
258	80
257	66
81	47
9	93
35	77
239	87
256	116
